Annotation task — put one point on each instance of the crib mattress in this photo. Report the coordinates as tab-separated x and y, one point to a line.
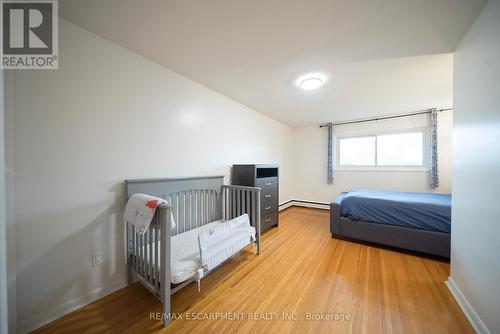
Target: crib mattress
185	256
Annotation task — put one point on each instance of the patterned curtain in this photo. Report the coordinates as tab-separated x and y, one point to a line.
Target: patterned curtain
330	154
434	150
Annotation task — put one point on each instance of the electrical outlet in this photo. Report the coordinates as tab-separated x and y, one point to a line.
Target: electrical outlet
97	259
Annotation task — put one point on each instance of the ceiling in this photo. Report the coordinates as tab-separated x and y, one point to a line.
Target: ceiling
379	56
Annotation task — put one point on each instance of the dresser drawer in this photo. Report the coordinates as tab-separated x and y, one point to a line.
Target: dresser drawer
269	197
268	182
268	220
268	208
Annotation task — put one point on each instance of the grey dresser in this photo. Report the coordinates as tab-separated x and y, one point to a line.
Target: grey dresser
266	177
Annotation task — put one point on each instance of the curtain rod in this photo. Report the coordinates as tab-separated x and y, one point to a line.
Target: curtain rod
420	112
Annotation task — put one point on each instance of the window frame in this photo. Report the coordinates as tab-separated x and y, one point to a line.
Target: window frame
339	138
419	168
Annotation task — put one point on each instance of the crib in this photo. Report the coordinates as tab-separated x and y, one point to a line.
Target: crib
194	203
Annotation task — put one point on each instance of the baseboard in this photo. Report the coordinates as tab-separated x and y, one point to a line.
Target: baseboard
305	204
53	314
285	205
467	308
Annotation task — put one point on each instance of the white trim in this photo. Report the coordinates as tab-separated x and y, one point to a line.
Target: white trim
470	313
383	169
312	205
55	313
285	205
398	130
303	204
425	167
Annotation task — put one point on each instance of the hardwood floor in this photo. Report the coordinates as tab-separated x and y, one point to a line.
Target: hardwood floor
301	270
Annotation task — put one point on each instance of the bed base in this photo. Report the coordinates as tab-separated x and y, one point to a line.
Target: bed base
193	202
422	241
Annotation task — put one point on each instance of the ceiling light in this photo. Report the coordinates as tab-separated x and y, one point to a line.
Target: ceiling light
310	83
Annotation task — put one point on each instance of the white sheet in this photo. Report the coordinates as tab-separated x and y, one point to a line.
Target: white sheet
185	256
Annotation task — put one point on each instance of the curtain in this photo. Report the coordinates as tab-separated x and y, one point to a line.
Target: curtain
330	154
434	150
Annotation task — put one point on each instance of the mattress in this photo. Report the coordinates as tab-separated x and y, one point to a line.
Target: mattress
426	211
220	240
185	256
185	253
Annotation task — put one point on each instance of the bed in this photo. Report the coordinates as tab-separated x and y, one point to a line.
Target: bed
418	222
183	252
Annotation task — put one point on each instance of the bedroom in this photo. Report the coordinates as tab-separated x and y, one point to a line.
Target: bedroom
217	96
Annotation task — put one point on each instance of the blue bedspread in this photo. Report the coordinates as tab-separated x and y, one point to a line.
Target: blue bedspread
425	211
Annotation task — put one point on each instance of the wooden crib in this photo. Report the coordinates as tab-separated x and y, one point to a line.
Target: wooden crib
192	203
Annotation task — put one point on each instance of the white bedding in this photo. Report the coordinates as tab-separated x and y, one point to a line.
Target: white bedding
185	256
221	240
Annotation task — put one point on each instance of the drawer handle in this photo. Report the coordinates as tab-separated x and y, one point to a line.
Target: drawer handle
267	208
268	220
267	196
268	183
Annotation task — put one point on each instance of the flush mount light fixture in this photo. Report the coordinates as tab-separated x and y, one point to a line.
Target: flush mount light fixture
310	81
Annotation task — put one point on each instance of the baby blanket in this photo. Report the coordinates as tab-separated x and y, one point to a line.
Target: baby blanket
141	209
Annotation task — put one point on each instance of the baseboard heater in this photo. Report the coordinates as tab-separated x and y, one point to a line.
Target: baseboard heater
306	204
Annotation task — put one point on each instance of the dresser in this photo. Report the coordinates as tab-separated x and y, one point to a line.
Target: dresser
266	177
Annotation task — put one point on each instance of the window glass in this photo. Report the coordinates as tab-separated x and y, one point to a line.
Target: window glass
402	149
357	151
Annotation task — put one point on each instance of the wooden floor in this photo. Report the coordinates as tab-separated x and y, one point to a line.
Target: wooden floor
301	270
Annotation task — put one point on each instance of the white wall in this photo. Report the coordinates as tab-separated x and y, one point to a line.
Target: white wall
4	318
10	198
107	115
310	161
475	233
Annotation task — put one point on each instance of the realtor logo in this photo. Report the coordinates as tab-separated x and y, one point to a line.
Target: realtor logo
29	34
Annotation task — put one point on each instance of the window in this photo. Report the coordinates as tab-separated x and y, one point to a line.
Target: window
383	150
357	151
403	149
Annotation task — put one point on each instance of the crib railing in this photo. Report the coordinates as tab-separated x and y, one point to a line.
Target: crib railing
144	250
237	200
193	208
